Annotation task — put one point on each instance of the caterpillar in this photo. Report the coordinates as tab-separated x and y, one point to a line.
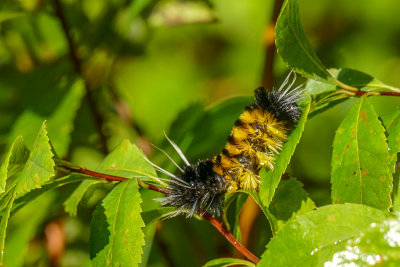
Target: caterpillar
256	137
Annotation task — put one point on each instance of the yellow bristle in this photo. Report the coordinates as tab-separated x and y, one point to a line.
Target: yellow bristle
231	186
245	147
218	169
266	160
233	149
247	117
260	116
277	130
248	180
239	134
227	162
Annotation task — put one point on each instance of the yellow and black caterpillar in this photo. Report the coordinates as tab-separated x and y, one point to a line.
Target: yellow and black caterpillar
258	134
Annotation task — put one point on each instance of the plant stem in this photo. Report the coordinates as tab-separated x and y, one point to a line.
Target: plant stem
360	93
217	224
73	55
228	235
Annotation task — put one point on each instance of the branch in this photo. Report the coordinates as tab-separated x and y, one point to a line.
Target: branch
228	235
78	68
373	93
217	224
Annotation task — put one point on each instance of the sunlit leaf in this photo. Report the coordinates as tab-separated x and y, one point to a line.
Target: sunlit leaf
39	167
17	155
127	161
312	238
116	237
360	160
379	245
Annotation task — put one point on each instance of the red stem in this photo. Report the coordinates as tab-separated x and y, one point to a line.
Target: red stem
228	235
217	224
359	93
110	177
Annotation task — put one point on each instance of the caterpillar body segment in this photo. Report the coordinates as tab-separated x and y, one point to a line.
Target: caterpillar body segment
257	136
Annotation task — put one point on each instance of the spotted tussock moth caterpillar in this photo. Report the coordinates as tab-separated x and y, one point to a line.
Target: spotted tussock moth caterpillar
257	136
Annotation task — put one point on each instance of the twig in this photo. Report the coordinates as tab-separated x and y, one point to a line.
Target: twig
217	224
110	177
360	93
78	68
228	235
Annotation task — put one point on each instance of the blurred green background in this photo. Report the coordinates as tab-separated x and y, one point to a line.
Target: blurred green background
155	66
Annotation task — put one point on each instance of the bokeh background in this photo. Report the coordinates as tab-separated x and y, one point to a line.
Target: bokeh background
183	67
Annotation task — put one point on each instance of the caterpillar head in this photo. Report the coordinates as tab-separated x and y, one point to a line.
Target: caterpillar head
202	190
282	103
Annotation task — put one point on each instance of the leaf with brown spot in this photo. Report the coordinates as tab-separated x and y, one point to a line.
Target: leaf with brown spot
361	146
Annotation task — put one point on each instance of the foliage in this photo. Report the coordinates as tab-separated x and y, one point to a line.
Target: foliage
74	87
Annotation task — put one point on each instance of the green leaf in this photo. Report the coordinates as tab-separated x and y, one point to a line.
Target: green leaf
39	167
241	199
223	262
293	46
270	180
17	155
272	220
325	96
154	215
360	160
3	226
116	237
290	200
71	204
379	245
392	125
23	225
27	126
396	185
22	200
189	133
312	238
61	122
126	160
149	230
7	15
